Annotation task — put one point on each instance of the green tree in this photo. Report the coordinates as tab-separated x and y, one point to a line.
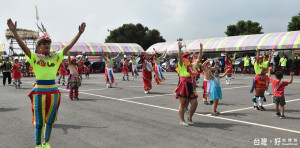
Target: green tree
130	33
244	28
294	25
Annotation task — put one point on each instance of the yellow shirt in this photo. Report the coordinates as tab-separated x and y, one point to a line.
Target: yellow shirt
45	68
257	68
183	72
283	62
246	61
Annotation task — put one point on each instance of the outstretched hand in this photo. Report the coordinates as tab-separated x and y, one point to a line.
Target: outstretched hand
201	46
180	44
81	28
12	26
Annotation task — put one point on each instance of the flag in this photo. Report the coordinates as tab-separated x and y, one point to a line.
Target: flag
37	13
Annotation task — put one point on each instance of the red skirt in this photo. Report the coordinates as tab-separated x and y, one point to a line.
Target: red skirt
62	72
147	79
125	69
17	75
230	69
80	70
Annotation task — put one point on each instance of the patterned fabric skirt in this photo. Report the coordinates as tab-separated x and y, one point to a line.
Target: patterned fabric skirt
45	100
147	79
186	89
74	81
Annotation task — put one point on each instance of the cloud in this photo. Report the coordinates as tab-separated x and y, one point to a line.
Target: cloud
176	10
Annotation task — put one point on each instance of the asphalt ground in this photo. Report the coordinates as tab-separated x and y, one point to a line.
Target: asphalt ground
124	116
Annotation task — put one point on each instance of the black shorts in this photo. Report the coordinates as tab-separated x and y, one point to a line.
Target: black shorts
279	100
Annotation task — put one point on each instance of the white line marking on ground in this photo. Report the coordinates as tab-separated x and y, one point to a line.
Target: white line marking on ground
155	106
174	94
92	89
166	108
229	111
148	96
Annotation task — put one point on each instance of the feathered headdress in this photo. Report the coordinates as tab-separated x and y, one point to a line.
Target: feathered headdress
45	36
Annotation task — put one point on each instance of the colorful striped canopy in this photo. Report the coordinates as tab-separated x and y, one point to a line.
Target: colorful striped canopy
280	40
94	58
2	51
92	48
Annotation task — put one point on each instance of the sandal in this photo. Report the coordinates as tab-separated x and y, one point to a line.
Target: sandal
184	124
214	114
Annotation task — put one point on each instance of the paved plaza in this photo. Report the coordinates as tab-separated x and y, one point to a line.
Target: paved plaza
124	116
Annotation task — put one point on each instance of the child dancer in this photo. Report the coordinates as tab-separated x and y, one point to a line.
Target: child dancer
87	65
62	72
260	81
216	92
260	85
80	66
157	69
87	71
109	73
17	75
45	96
207	81
134	69
278	91
125	69
75	78
228	63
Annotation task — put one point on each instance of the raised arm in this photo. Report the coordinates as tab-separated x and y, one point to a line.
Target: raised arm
69	59
179	53
204	63
163	54
234	56
257	54
81	29
223	75
216	64
116	56
13	27
271	52
291	78
80	58
200	54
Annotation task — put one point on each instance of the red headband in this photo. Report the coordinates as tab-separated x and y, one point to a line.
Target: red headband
186	54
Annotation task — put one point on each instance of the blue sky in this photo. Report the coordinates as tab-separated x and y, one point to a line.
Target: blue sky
188	19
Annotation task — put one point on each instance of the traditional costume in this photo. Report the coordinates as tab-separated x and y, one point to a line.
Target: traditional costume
134	69
62	72
74	81
125	69
17	75
187	85
228	64
109	74
45	96
158	73
147	73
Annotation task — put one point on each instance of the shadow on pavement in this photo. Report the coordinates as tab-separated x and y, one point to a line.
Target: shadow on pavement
7	109
65	127
222	126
